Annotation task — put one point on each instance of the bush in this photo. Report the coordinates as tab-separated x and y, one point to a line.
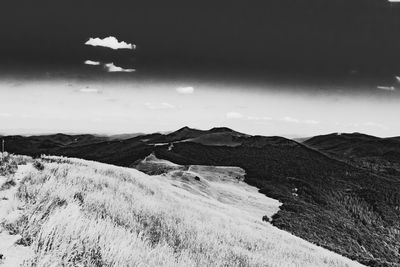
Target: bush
38	165
7	164
8	184
265	218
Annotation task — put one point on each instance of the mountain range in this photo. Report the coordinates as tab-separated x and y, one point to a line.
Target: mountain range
339	191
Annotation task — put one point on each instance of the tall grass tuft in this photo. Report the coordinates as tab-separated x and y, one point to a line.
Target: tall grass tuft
9	163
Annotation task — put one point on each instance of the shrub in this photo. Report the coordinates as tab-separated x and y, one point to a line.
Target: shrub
265	218
38	165
8	184
7	165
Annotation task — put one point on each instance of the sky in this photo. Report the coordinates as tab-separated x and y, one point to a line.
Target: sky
289	68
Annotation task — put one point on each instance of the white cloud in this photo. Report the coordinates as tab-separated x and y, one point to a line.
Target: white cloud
5	115
234	115
294	120
90	90
185	90
163	105
255	118
112	68
93	63
398	78
386	88
290	119
110	42
262	120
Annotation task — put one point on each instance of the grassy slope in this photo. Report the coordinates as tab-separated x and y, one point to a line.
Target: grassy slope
220	183
327	202
82	213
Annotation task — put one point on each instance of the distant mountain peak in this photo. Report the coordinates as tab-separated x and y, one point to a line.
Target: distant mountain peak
221	129
185	128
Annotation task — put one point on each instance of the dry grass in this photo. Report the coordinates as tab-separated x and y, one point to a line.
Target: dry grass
8	166
82	213
9	163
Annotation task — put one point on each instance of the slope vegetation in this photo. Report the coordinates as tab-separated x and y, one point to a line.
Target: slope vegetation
379	155
220	183
338	206
82	213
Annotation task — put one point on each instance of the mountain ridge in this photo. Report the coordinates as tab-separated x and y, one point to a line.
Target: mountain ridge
322	193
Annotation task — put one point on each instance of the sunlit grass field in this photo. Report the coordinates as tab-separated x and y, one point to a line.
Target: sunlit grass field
82	213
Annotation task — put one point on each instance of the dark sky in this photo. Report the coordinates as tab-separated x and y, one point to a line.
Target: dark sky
315	36
271	67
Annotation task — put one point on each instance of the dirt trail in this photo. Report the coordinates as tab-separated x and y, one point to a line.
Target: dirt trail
11	254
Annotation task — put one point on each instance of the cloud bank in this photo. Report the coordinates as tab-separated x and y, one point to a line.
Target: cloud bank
163	105
237	115
185	90
234	115
386	88
90	90
5	115
294	120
